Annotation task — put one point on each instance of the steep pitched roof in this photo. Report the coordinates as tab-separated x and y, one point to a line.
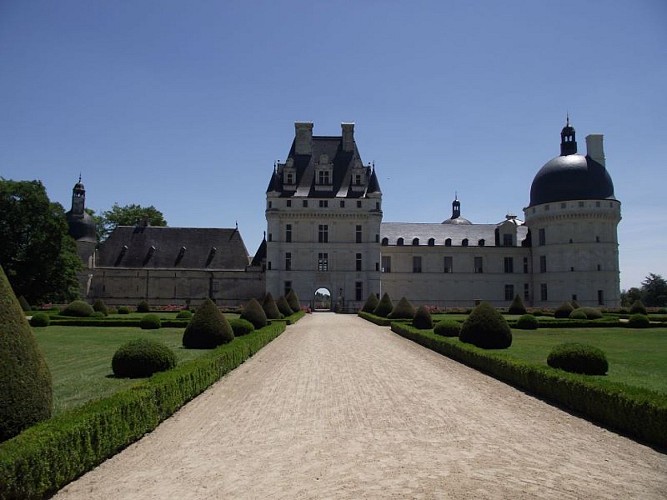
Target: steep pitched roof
441	232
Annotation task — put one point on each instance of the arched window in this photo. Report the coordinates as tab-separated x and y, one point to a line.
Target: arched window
431	242
385	242
415	241
464	243
481	242
448	242
399	242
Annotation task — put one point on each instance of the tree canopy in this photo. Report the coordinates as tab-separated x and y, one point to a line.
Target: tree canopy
37	253
129	215
654	291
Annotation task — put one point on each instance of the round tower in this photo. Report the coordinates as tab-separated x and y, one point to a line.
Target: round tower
573	217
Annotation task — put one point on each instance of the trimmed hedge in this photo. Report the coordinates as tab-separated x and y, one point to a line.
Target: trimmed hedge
270	307
25	306
241	327
101	322
46	457
208	328
638	307
123	310
100	306
486	327
40	319
578	314
638	412
447	328
184	314
517	307
294	317
638	321
254	313
384	307
377	320
150	322
422	319
142	358
402	310
143	307
293	300
578	358
371	303
591	312
77	308
527	322
563	310
283	306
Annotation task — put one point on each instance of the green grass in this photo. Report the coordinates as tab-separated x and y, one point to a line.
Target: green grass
80	359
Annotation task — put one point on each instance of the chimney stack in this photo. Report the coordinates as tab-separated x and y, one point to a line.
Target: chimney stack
348	136
595	149
303	143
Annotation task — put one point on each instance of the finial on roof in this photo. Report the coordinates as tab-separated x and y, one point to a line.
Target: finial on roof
237	225
456	195
79	177
567	120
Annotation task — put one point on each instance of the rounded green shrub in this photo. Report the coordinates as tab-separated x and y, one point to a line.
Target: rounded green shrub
422	319
26	396
371	303
150	322
402	310
293	300
98	315
142	358
143	307
578	314
563	310
254	313
384	307
270	307
527	322
638	321
100	306
25	306
241	327
208	328
283	306
485	327
123	310
578	358
517	307
592	312
77	308
184	314
447	328
638	307
40	319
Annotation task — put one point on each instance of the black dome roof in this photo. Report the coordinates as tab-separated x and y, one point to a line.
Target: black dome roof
81	227
457	220
571	177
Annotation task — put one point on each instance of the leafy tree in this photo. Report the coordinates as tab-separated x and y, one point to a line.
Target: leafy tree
654	291
129	215
630	296
37	253
99	224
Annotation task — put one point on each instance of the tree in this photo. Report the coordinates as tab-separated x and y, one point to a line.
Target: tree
129	215
654	291
37	253
629	297
99	224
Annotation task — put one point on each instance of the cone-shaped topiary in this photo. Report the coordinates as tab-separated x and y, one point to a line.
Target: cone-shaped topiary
142	358
402	310
485	327
517	307
371	303
241	327
563	310
638	321
208	328
150	322
527	322
143	307
283	306
270	307
638	308
447	328
254	313
384	307
578	358
26	394
100	306
293	300
24	303
77	308
422	319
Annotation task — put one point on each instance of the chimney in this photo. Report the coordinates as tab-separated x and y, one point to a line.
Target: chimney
348	136
594	148
303	144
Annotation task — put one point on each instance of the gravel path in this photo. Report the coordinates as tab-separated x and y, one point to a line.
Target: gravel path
339	408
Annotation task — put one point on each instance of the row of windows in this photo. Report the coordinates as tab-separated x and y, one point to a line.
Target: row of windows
542	237
323	233
448	267
507	241
323	262
580	204
323	204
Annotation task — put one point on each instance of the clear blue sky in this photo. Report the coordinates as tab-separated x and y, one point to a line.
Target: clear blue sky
186	105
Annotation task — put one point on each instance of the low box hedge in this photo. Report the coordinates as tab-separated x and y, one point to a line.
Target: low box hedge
637	412
293	318
102	322
47	456
379	320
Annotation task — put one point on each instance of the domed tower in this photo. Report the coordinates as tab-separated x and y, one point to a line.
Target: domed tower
573	217
82	225
456	214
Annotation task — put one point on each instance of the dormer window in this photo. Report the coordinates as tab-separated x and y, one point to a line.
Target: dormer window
323	173
415	242
323	177
289	174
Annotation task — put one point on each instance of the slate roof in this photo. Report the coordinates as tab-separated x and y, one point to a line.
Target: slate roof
440	232
152	247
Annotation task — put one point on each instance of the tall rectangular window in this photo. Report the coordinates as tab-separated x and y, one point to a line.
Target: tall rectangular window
416	264
358	203
543	292
449	265
542	237
323	233
342	203
509	292
288	287
600	297
507	240
305	203
359	290
479	265
525	265
324	177
526	292
358	267
358	233
324	203
288	261
543	263
288	233
386	263
322	261
289	203
509	264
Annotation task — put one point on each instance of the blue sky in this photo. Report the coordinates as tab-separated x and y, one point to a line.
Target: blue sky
186	105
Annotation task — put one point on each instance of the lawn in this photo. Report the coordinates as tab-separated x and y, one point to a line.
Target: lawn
80	359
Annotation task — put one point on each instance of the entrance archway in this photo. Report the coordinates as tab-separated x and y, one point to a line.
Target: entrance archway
322	299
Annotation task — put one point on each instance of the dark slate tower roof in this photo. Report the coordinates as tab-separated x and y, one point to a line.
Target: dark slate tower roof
81	224
571	176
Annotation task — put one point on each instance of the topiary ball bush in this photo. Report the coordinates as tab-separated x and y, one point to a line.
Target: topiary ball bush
578	314
123	310
638	321
184	314
142	358
100	306
208	328
422	319
293	300
77	308
485	327
402	310
592	312
384	307
98	315
447	328
241	327
527	322
283	306
254	313
578	358
270	307
143	307
563	310
150	322
517	307
371	303
638	308
40	319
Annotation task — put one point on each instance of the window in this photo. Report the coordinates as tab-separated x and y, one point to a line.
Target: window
377	205
358	259
324	177
597	239
415	242
431	242
358	234
323	233
543	292
478	266
377	266
525	265
542	237
574	297
288	261
290	179
342	203
507	240
288	287
268	265
449	265
386	264
270	204
270	237
509	292
597	204
385	242
543	263
563	205
358	290
448	242
509	264
289	203
305	203
357	180
288	233
377	238
399	242
416	264
581	204
358	203
324	203
600	297
322	261
526	292
464	243
599	267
